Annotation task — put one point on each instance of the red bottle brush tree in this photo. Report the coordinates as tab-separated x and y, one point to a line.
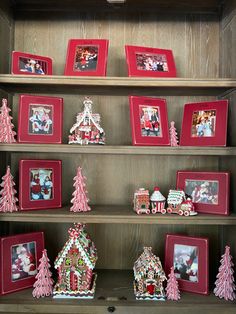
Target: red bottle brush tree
43	285
173	135
80	199
8	199
7	135
225	287
172	289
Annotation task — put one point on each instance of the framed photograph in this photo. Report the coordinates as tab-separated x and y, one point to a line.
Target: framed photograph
150	62
40	184
189	257
86	57
149	121
209	190
19	261
205	124
29	64
40	119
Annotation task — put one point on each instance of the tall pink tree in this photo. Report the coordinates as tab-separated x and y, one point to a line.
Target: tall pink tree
173	135
43	285
8	199
225	287
172	289
80	199
7	135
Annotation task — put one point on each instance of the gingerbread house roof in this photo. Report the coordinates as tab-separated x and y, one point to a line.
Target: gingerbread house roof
175	197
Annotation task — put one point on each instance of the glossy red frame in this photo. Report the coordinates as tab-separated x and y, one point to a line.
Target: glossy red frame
137	138
15	63
23	135
130	52
202	286
101	60
221	108
24	185
223	178
6	284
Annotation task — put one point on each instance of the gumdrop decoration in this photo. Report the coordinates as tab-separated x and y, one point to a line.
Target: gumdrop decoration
172	289
80	199
225	287
7	135
173	135
8	199
43	286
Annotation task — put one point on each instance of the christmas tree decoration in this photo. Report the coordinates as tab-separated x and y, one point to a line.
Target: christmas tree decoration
149	277
173	135
172	289
75	264
80	199
158	201
87	129
225	287
43	286
6	127
8	199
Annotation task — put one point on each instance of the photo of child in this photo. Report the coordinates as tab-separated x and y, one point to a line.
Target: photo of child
150	121
86	58
40	119
202	191
203	123
41	184
32	66
151	62
185	262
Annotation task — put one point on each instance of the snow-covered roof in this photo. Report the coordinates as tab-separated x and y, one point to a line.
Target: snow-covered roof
82	116
175	197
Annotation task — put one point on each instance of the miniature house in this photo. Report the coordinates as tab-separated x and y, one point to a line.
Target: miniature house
149	277
87	129
178	204
75	264
141	201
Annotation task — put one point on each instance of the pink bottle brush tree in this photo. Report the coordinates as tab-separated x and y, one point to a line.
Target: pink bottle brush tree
7	135
173	135
172	289
80	199
8	199
43	285
224	285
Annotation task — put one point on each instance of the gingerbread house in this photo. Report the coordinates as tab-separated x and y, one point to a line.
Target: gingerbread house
141	201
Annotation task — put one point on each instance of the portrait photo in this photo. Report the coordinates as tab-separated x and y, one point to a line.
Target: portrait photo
151	62
40	119
86	58
201	191
41	184
150	121
204	123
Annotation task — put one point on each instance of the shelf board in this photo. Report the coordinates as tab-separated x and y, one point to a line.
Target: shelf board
115	85
114	289
114	214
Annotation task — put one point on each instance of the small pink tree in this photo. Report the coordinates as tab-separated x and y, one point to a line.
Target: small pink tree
80	199
43	285
173	135
8	199
225	286
172	289
6	127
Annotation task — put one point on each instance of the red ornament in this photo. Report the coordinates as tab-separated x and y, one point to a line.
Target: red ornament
8	199
173	135
6	127
172	289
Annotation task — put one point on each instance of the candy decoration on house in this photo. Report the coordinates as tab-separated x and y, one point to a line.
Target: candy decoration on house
173	135
75	264
7	135
225	287
178	204
8	199
87	129
148	277
172	289
141	201
43	285
158	201
80	199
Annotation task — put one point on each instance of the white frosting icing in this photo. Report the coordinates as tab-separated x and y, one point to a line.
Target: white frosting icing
157	197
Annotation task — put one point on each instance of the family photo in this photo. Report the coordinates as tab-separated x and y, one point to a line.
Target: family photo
150	121
41	184
202	191
32	66
151	62
40	119
204	123
86	58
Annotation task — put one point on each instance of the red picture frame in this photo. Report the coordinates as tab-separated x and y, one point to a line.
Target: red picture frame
149	121
19	261
150	62
39	184
189	256
86	57
209	190
205	123
40	119
30	64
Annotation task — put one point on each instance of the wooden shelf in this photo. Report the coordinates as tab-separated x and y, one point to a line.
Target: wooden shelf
114	289
113	214
115	85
